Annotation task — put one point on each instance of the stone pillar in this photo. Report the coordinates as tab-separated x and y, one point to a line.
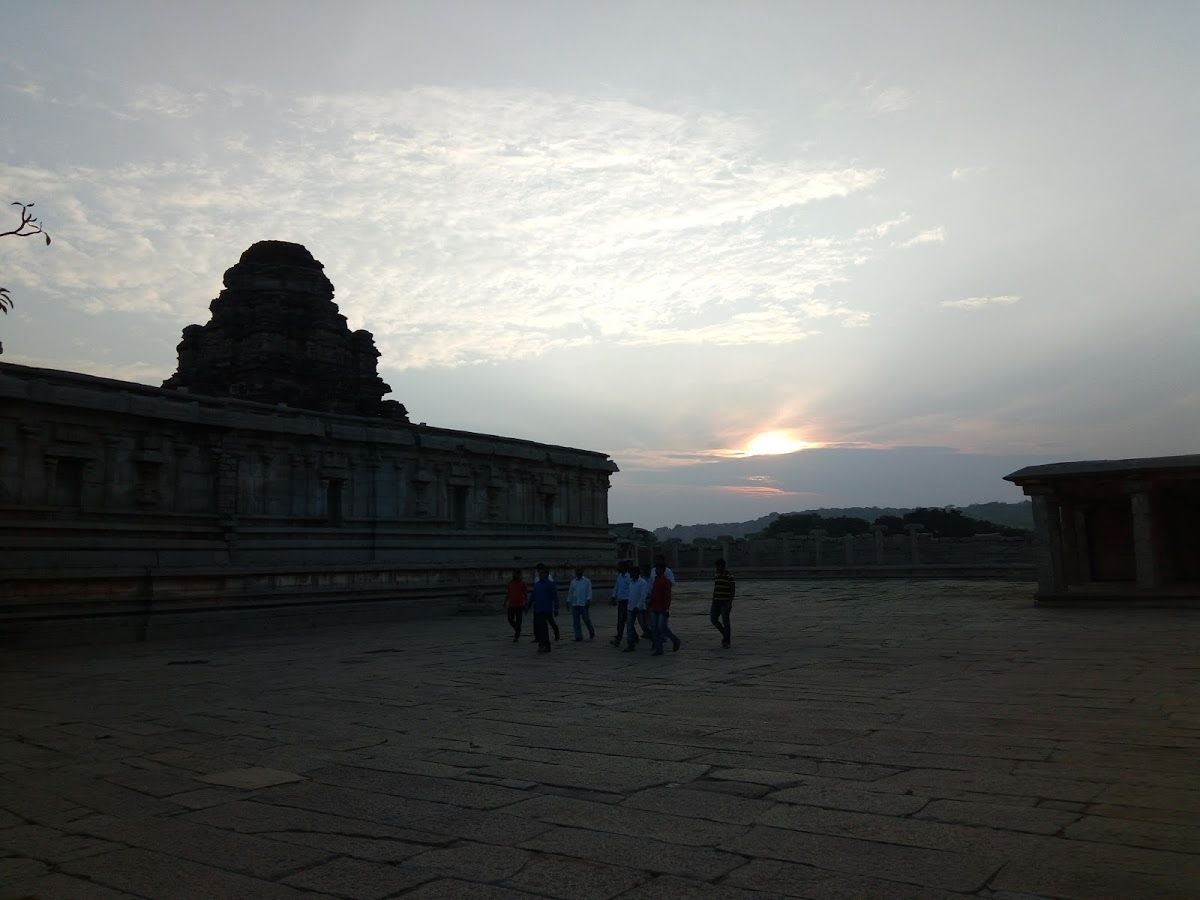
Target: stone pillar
312	485
373	466
725	553
583	491
265	460
225	474
699	556
878	531
51	479
914	544
1145	549
599	505
1072	570
29	476
179	455
848	541
112	481
400	488
297	484
419	488
818	539
1083	550
1049	546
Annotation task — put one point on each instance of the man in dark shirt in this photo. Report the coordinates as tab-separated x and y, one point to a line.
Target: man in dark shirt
722	603
544	599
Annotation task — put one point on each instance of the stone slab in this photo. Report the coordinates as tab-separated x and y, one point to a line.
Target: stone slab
673	887
59	887
823	793
252	778
700	804
575	879
358	879
244	853
627	820
160	875
951	871
1037	820
655	856
470	861
455	889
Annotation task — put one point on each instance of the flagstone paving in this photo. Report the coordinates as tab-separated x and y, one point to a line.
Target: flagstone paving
860	739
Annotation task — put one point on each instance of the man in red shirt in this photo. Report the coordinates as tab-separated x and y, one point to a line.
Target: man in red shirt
660	612
515	601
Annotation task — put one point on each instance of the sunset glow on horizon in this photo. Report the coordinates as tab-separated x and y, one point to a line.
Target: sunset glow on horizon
775	443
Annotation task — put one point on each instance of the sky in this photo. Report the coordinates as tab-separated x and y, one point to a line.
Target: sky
768	256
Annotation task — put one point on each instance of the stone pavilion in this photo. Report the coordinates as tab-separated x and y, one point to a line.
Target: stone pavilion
1124	529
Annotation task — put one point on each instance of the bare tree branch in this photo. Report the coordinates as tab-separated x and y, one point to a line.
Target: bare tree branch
28	228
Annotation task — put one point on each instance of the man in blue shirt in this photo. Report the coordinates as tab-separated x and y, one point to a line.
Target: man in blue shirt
620	598
544	600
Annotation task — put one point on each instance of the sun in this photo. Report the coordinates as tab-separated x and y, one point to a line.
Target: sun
774	443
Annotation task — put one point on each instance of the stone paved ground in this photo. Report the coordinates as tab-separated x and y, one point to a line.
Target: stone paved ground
894	739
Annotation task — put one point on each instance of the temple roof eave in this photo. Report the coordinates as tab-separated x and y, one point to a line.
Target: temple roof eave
1118	468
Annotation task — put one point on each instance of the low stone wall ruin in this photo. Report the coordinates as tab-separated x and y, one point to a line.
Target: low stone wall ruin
129	511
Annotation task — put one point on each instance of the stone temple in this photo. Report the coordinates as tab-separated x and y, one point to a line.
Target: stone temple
276	336
267	482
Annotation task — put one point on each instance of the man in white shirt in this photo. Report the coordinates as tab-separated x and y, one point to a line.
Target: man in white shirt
620	598
660	563
579	598
639	592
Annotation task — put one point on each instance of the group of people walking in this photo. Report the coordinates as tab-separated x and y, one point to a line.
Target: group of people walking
643	602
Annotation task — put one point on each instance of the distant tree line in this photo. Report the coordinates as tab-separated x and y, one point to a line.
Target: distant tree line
941	522
1014	515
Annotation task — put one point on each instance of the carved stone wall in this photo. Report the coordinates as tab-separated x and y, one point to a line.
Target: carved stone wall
137	510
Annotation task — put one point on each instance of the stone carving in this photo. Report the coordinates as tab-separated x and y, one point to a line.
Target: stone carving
276	336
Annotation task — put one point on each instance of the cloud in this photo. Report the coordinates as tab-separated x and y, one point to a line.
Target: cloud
167	101
640	459
760	491
928	236
884	228
879	99
981	302
140	372
465	225
29	89
962	173
887	100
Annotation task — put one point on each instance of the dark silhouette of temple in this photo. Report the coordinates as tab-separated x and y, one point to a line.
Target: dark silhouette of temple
276	336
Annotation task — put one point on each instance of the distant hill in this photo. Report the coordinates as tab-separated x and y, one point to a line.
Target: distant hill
1014	515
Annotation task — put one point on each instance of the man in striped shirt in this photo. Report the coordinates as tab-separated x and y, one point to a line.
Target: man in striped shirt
722	603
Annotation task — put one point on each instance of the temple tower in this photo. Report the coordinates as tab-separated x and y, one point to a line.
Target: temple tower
276	336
